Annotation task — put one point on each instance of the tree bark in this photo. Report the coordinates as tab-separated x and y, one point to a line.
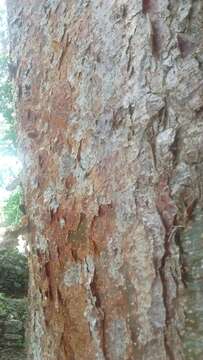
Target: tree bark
109	107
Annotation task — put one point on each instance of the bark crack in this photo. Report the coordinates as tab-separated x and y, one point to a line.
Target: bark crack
96	303
162	272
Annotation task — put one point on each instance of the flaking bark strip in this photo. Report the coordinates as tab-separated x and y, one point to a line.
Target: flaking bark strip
155	38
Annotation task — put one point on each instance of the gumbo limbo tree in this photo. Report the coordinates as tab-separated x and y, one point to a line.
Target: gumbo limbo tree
110	122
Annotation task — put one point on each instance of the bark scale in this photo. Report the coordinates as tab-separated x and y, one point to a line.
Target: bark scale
109	106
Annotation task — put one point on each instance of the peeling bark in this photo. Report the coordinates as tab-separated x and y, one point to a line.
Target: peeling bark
109	106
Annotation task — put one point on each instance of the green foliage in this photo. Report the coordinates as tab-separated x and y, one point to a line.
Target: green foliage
12	212
8	139
4	308
13	291
13	314
6	92
13	308
13	264
13	273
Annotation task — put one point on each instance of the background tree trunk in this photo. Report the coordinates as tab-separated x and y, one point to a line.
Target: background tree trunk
109	106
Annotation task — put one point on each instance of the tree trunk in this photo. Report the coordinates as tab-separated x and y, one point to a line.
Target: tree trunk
109	107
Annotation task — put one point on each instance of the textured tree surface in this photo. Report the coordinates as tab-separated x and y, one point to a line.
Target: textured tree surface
109	105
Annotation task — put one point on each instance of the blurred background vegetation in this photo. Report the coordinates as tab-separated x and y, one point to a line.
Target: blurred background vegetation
12	208
13	263
9	163
13	273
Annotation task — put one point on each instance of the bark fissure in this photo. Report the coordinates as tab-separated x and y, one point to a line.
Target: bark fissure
162	272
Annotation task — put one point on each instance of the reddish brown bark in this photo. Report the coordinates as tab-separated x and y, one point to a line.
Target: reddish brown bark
110	122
